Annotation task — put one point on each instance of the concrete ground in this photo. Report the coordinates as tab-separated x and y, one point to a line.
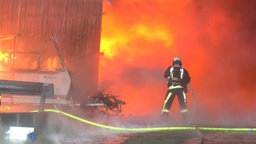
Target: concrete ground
60	129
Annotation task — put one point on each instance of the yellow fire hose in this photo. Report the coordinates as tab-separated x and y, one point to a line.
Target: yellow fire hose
148	129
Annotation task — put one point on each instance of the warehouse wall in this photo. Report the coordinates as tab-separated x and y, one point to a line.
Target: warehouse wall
77	25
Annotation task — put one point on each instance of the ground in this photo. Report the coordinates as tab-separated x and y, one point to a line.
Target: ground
62	128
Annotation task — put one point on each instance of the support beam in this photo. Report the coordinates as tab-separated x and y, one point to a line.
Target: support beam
29	89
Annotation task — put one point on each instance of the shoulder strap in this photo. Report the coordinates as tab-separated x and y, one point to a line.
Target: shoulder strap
181	72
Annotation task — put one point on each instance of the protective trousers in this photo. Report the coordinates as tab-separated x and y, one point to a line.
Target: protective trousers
170	95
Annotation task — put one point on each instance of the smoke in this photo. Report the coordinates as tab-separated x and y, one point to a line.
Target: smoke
215	40
64	130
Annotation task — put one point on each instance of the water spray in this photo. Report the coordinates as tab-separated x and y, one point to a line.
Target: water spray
193	98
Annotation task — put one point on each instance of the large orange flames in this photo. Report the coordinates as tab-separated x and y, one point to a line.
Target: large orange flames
139	39
138	42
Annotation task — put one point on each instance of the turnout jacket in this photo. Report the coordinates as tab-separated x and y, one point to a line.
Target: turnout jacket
177	76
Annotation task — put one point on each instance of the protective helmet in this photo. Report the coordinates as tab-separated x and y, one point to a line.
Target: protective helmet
177	60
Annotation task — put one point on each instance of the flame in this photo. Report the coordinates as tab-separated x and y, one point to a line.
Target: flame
110	45
117	37
126	46
154	34
139	39
51	64
27	61
4	60
4	57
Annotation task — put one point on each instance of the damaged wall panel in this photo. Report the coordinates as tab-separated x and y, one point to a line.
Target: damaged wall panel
77	25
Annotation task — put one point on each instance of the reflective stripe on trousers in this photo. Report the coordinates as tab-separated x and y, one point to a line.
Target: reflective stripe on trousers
184	110
165	101
182	103
174	87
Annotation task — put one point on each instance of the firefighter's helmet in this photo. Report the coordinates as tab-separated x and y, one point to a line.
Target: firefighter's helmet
177	60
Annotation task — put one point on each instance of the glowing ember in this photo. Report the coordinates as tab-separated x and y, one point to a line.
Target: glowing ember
4	60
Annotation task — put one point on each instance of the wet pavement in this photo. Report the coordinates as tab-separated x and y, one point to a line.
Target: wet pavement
60	129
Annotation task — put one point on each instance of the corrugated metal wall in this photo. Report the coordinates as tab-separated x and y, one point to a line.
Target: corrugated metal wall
76	23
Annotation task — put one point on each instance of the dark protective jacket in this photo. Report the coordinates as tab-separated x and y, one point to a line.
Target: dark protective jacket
177	76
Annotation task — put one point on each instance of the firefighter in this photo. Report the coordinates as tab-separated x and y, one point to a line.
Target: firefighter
177	79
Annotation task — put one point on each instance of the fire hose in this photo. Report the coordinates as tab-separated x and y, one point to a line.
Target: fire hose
198	129
147	129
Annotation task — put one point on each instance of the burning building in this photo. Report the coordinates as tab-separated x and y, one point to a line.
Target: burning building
27	31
